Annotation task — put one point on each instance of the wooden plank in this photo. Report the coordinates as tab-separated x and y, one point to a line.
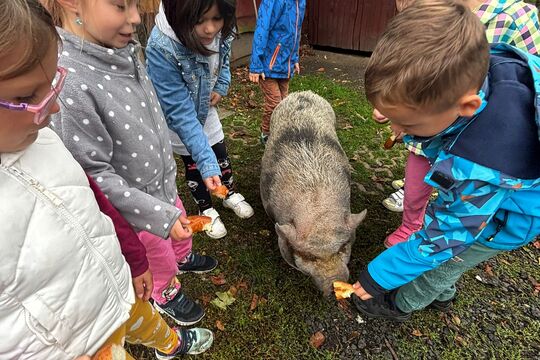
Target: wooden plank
348	24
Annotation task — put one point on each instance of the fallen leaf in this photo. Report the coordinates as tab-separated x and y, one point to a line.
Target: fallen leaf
206	299
456	320
460	341
317	339
254	302
416	332
321	69
218	280
233	290
536	244
223	300
219	325
488	270
242	285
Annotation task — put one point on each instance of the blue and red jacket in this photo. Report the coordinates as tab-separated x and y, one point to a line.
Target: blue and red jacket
487	171
277	38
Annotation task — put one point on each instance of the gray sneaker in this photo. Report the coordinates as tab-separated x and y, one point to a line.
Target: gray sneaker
192	341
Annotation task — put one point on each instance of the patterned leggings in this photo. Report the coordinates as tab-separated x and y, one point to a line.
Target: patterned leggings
145	326
195	182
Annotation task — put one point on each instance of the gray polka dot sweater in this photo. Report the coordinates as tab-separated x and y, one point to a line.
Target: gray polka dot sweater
112	123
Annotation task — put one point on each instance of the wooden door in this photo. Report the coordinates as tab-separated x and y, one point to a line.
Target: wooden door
348	24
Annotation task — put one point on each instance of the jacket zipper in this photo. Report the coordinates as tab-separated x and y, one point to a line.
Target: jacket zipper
46	195
295	37
500	225
274	56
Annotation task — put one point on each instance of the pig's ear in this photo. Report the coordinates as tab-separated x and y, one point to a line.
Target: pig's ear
286	232
355	219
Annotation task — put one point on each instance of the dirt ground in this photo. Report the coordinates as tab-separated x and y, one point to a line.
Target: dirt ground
344	68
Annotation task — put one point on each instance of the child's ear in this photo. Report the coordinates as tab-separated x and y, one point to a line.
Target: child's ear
468	104
71	6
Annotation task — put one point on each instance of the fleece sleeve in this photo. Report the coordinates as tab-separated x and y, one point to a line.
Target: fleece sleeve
132	248
92	146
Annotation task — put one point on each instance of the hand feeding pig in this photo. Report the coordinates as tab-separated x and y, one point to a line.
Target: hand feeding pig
305	189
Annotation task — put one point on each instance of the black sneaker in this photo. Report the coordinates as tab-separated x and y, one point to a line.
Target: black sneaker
192	341
198	264
443	306
182	310
382	307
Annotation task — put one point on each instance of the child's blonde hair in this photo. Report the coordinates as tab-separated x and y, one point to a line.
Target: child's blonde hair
430	55
58	14
25	25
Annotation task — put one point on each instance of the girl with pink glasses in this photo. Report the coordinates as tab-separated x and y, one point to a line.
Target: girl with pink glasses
65	288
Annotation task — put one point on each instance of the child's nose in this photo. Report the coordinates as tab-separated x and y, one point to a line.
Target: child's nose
133	15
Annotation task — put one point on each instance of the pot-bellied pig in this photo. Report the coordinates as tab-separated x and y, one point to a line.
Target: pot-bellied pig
305	189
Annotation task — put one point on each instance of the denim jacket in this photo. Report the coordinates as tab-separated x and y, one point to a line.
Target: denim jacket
182	82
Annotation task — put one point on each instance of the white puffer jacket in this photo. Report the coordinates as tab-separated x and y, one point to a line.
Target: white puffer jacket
64	284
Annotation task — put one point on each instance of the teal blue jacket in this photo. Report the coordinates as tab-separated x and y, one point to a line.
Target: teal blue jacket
487	171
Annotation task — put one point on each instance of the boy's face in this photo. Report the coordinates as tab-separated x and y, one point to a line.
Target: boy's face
413	121
418	122
17	128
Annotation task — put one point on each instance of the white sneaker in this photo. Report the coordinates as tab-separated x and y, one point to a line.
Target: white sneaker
395	201
239	205
218	228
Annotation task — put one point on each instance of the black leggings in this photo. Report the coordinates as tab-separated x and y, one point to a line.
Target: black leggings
195	182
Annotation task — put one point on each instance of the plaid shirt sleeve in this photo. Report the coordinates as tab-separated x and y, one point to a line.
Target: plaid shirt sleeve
516	25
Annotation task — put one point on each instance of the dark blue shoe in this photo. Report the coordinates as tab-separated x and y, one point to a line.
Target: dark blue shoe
198	264
182	310
381	307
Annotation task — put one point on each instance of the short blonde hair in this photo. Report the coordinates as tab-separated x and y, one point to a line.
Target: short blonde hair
429	56
25	25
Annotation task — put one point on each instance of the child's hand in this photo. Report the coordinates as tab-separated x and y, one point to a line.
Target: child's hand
212	182
254	78
378	117
143	285
178	231
214	98
360	292
297	68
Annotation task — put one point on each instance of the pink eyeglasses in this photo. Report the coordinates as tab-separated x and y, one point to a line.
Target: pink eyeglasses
41	110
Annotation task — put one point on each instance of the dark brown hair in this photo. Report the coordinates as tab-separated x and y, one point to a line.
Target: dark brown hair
25	24
183	15
429	56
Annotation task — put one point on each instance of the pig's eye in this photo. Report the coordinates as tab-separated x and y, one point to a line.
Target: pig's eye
305	256
344	247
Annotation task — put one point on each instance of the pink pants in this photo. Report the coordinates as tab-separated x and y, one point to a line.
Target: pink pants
163	255
417	194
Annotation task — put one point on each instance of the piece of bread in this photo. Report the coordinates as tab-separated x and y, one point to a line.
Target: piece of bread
198	223
343	290
390	142
110	352
221	192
